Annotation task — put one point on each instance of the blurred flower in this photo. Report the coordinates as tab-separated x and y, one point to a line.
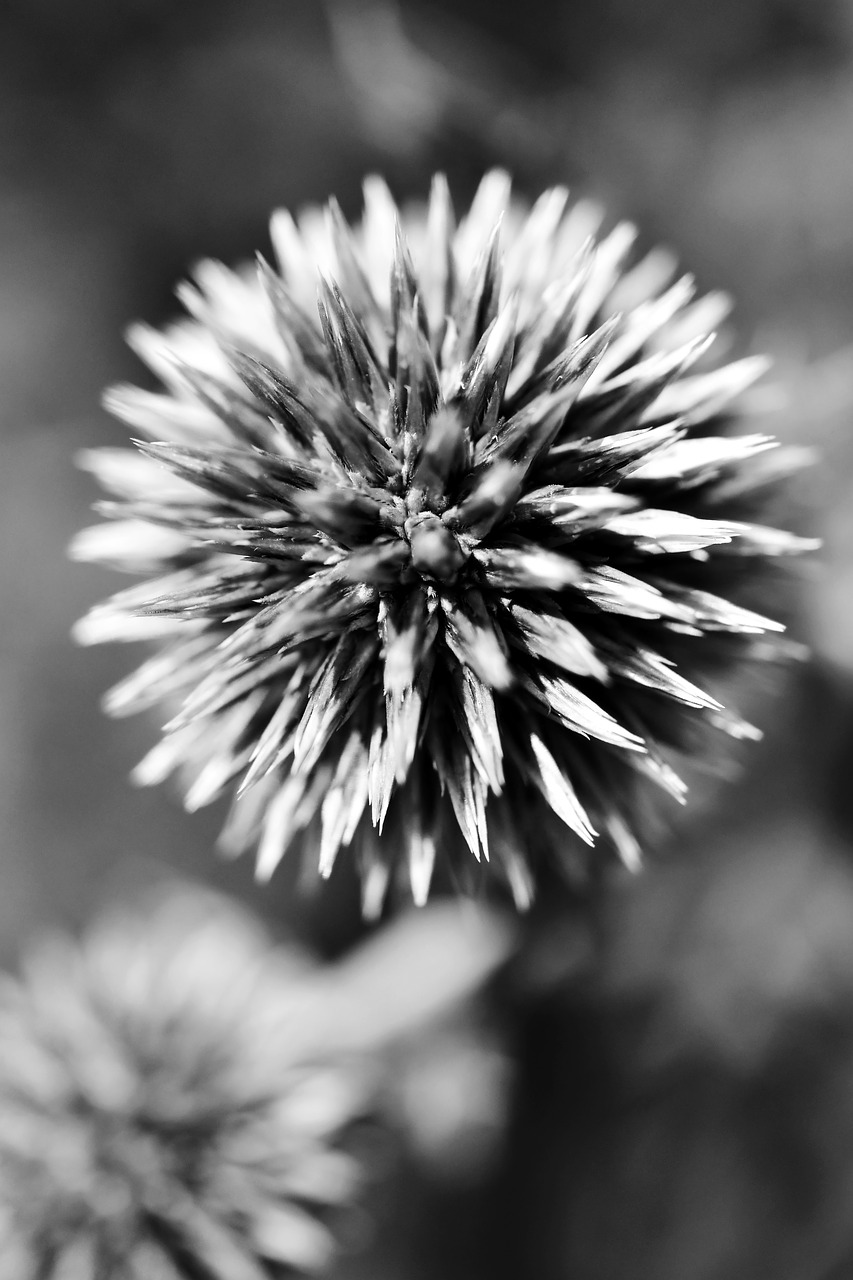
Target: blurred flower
449	558
154	1121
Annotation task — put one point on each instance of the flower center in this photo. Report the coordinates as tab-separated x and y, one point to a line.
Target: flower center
435	551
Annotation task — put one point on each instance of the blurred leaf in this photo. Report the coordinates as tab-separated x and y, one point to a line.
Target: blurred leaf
408	974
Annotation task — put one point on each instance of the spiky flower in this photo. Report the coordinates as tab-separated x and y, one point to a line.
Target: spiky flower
438	518
153	1125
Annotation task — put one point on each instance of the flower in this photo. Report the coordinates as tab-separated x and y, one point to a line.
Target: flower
446	524
154	1121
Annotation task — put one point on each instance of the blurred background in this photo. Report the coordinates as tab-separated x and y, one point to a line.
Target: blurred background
665	1090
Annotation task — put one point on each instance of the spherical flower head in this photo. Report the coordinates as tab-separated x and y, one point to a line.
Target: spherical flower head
441	525
153	1125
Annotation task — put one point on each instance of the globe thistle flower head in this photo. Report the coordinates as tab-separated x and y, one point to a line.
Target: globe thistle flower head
154	1126
441	525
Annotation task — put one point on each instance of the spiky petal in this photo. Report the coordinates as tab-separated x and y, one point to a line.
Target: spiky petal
439	522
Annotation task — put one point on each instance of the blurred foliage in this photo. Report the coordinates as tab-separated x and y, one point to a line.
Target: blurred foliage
682	1088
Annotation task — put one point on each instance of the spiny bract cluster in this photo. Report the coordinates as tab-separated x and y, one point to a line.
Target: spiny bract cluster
437	515
153	1125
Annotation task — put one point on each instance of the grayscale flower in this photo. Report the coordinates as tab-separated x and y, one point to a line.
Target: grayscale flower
446	528
154	1123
